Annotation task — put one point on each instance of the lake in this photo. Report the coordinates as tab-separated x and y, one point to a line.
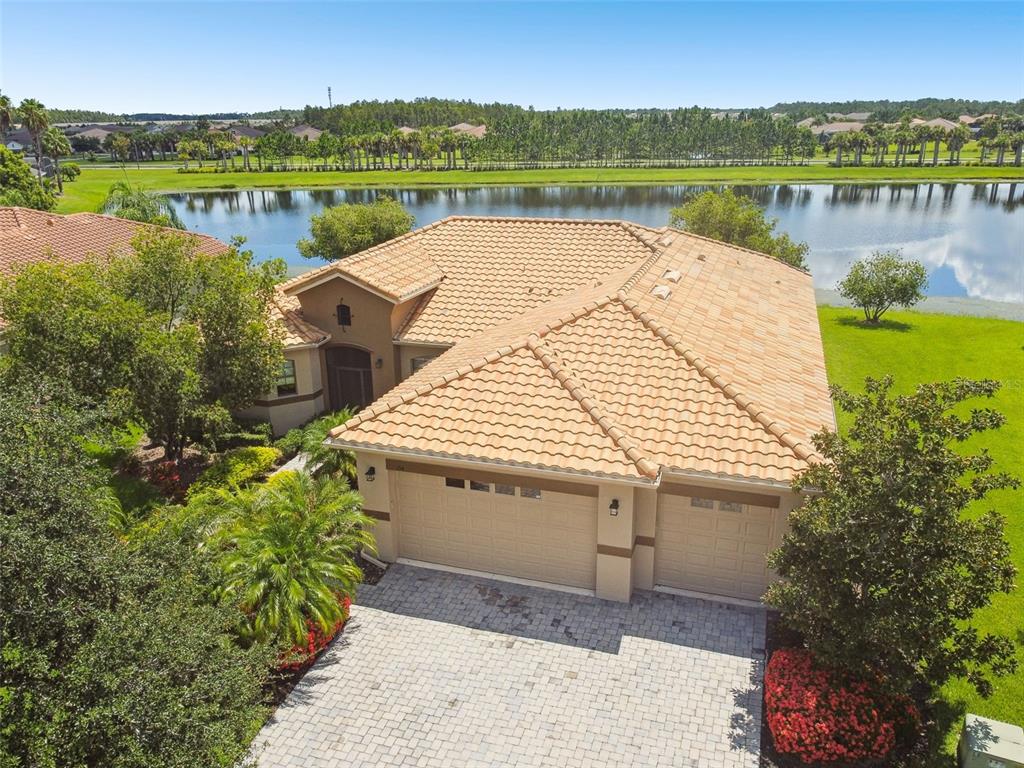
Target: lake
970	236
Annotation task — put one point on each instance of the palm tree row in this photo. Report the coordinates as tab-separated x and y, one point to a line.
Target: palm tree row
905	140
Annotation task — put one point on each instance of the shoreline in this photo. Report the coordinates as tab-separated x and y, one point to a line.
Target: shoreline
88	191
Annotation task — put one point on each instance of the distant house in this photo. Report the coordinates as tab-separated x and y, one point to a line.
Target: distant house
305	132
238	131
850	117
828	130
940	122
476	131
807	122
405	130
96	132
18	141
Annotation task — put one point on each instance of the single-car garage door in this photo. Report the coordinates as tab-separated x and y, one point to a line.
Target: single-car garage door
717	547
497	528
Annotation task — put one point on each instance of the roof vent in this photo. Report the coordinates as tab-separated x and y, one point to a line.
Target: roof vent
661	291
701	257
672	275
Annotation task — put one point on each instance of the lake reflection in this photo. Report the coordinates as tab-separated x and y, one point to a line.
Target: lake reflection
971	236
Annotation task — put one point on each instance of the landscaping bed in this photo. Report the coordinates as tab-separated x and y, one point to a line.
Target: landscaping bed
914	750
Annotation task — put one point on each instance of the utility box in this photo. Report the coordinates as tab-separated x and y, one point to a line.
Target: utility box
988	743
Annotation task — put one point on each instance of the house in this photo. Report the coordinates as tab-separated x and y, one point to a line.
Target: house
18	140
826	131
238	131
476	131
305	132
28	236
590	404
405	130
941	122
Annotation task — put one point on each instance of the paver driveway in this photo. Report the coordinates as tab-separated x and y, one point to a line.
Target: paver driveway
438	669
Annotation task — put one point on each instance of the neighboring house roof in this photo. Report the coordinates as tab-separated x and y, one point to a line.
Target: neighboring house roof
941	122
28	236
475	272
479	131
406	130
807	122
246	130
305	132
831	128
699	357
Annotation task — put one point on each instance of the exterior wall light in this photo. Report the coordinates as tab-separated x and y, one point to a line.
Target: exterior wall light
371	474
613	508
379	363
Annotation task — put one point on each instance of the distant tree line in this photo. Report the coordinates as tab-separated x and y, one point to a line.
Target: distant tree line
893	111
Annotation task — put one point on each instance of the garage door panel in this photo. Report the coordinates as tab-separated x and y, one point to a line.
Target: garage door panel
718	551
553	538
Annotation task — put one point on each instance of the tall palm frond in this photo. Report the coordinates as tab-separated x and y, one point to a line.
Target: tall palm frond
136	204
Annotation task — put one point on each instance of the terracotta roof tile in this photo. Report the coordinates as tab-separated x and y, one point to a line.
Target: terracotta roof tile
721	374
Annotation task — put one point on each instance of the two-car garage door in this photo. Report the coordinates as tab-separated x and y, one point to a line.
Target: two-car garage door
497	528
712	546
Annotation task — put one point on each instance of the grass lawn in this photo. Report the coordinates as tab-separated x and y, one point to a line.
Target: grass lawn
88	191
917	347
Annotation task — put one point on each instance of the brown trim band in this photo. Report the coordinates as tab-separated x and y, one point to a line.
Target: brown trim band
719	494
643	541
385	516
436	470
288	400
604	549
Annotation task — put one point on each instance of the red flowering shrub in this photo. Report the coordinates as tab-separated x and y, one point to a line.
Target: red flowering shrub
819	718
166	476
299	656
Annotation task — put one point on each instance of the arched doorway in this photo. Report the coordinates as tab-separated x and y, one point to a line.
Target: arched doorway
349	381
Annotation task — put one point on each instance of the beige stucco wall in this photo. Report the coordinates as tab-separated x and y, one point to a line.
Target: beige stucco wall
290	411
370	329
406	353
624	557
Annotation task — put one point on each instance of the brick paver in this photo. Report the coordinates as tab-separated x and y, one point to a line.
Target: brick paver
438	669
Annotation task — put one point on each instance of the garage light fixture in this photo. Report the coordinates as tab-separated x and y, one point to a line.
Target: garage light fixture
613	508
371	474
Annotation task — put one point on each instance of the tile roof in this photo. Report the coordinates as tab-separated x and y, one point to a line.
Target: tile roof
28	236
701	357
482	271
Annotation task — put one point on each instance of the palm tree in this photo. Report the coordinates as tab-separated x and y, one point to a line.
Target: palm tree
34	118
136	204
6	114
939	134
56	146
956	140
245	143
289	554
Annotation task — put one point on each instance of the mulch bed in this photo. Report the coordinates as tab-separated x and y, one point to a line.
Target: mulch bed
908	755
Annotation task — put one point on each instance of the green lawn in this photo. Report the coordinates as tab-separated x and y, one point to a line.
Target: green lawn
86	193
917	347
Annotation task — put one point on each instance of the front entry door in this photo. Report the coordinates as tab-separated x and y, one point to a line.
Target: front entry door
349	380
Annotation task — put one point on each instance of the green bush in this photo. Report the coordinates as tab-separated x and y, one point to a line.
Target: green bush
236	468
70	171
246	432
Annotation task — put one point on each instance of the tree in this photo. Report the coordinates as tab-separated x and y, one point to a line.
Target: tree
56	146
127	202
71	325
881	569
289	549
7	113
349	228
33	116
17	187
310	439
882	280
208	321
177	335
113	655
738	220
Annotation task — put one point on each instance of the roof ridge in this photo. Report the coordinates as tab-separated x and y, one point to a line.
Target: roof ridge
735	247
519	342
705	369
579	393
641	270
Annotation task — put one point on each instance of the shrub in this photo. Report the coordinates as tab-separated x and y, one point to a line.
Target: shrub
245	432
818	717
166	476
70	171
236	468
